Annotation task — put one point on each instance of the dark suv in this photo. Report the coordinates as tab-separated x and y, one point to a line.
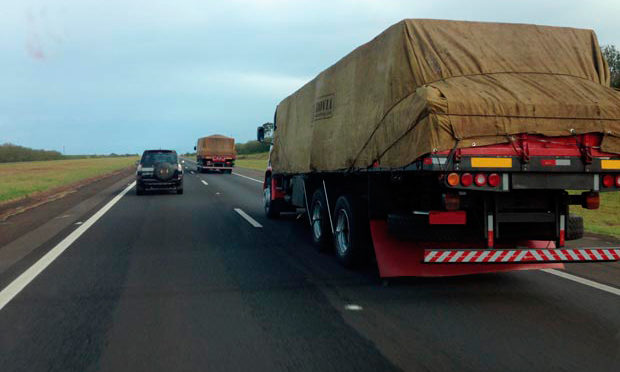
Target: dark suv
159	170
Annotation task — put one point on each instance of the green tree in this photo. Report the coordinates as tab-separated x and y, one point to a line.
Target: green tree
253	147
612	55
11	153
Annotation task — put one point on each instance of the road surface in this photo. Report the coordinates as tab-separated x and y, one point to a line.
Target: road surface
204	282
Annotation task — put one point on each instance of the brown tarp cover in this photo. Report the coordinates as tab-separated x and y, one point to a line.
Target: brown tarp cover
216	145
430	85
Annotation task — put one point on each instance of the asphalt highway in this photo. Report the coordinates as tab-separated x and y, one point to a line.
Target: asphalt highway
205	282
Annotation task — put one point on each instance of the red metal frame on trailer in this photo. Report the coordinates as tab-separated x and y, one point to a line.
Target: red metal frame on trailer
402	258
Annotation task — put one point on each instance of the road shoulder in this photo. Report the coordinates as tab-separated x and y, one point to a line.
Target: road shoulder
23	233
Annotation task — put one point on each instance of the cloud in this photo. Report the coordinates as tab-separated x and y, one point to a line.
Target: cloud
259	82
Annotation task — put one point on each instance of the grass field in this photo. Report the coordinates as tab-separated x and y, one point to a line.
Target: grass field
253	161
22	179
606	219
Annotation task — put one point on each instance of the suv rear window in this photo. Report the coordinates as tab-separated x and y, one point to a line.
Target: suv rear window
152	157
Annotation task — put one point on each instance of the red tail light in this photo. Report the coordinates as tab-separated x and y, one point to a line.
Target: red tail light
467	179
493	179
591	200
480	179
608	180
618	180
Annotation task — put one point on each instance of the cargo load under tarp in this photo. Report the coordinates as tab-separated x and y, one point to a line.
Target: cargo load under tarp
216	145
428	85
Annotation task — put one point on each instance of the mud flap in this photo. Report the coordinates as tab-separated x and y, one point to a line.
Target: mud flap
405	258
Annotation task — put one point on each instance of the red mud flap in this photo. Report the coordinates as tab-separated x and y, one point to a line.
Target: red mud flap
438	256
405	258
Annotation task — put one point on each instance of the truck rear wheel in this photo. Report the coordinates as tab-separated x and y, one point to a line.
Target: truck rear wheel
351	232
319	219
574	227
272	207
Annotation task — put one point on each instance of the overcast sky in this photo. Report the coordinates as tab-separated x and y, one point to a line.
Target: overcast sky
121	76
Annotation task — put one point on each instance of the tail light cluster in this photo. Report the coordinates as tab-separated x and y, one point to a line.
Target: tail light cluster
478	179
610	180
590	200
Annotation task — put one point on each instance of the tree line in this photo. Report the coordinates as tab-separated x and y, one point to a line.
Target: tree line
253	147
10	153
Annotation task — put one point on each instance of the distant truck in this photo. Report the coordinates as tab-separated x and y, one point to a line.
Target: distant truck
447	148
215	153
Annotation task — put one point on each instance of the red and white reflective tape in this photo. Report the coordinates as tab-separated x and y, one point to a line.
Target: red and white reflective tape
562	239
520	255
490	232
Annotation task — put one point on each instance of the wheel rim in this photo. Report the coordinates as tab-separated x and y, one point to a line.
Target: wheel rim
317	229
343	236
267	197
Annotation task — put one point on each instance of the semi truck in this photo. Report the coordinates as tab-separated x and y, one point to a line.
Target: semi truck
448	148
215	153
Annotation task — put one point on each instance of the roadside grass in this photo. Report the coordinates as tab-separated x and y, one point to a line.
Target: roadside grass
606	219
21	179
253	161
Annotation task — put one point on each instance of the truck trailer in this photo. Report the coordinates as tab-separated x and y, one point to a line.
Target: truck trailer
215	153
450	148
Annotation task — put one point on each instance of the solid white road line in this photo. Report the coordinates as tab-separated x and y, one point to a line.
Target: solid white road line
250	178
252	221
17	285
204	182
593	284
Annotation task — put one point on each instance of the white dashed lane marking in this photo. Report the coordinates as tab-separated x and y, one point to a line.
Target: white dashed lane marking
590	283
250	178
252	221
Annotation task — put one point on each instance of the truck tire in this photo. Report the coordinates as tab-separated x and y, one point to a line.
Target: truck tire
272	207
319	221
351	231
574	227
180	191
139	190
